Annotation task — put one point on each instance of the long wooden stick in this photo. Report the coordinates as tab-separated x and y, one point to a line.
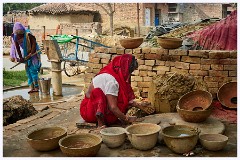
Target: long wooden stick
25	59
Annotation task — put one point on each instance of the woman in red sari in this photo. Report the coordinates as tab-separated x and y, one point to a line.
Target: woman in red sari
110	93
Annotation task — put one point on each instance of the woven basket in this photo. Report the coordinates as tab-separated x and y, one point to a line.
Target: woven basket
131	43
169	43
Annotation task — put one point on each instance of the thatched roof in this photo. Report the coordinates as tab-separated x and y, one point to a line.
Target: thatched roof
61	8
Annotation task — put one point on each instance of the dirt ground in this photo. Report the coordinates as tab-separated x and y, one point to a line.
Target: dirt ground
65	113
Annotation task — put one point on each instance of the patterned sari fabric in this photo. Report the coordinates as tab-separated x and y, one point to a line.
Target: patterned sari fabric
97	103
33	64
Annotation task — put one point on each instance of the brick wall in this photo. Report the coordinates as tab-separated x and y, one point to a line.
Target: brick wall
213	67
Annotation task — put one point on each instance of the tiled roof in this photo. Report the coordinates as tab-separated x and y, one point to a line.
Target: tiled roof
61	8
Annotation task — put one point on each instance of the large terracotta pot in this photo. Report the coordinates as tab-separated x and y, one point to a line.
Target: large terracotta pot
169	43
131	43
180	138
46	139
143	136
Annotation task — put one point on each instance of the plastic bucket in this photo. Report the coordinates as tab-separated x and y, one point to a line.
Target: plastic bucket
44	85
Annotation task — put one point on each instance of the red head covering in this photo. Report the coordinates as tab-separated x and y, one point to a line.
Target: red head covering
119	69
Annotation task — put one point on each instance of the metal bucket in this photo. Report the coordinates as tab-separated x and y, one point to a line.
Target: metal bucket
44	85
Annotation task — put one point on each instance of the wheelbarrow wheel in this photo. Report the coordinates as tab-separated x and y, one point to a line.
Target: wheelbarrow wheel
71	65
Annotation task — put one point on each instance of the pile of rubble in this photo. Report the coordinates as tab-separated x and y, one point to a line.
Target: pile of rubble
16	108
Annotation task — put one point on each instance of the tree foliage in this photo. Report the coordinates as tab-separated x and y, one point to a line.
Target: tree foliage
19	6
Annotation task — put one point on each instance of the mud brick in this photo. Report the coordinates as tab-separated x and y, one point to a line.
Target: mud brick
143	73
120	50
94	60
210	61
105	61
140	56
233	54
135	73
146	50
170	64
87	80
198	72
182	65
145	68
101	50
198	53
94	65
149	62
178	52
144	84
137	78
28	119
92	55
218	73
161	72
175	58
181	71
134	84
95	71
233	79
89	75
232	73
205	67
212	84
230	67
145	89
147	79
161	68
191	59
155	50
214	79
137	50
163	51
160	63
151	74
219	54
195	66
103	55
112	50
128	51
141	62
217	67
152	56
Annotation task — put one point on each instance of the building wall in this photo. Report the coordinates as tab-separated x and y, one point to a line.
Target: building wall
193	12
52	21
213	67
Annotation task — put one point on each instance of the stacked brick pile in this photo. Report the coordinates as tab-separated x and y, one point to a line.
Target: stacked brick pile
213	67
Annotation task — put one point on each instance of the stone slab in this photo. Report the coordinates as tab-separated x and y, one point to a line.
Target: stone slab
211	125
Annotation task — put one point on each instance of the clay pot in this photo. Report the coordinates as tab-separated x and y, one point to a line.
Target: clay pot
113	136
169	43
227	95
195	100
80	145
180	138
46	139
213	142
131	43
194	116
143	136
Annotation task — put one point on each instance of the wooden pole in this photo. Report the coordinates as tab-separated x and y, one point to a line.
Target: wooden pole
44	33
138	20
